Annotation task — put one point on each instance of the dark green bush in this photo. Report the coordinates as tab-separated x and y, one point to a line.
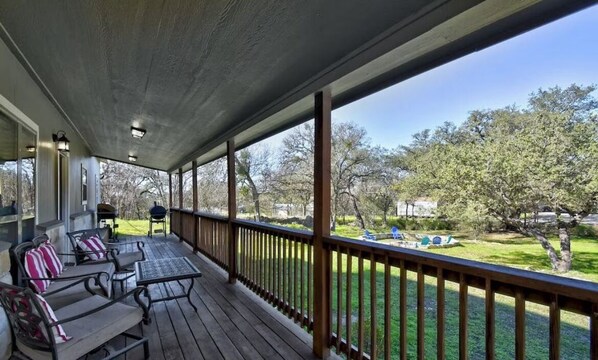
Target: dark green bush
587	231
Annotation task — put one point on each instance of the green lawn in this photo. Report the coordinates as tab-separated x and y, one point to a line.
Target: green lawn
505	249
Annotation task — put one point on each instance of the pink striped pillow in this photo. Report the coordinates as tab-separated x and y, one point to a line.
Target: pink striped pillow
35	268
51	260
94	247
57	331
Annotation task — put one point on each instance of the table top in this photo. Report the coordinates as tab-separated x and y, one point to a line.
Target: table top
163	270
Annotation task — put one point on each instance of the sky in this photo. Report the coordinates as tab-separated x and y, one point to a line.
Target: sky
560	53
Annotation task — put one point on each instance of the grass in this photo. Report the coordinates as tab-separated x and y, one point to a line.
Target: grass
505	249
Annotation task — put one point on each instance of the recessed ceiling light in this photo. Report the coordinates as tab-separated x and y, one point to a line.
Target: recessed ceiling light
137	132
132	158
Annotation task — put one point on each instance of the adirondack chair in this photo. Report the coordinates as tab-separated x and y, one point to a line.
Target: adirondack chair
368	235
396	234
425	241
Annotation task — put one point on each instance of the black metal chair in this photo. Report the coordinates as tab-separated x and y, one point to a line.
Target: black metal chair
124	261
61	292
90	323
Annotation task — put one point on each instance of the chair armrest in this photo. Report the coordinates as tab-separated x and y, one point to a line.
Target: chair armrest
84	280
136	294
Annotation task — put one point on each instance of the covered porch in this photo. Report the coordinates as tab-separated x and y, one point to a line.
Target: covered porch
201	82
231	321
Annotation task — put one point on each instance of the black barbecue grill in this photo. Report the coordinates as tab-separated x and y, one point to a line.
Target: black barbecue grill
108	212
157	216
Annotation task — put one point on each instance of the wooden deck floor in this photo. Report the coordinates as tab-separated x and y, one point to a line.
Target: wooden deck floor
231	322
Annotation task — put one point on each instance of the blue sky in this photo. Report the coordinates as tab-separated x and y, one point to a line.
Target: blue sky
560	53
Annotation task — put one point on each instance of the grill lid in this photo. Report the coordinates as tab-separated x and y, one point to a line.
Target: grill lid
157	212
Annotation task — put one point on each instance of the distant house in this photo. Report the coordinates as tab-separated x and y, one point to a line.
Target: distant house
417	208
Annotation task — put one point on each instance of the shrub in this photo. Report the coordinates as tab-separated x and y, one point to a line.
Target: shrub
587	231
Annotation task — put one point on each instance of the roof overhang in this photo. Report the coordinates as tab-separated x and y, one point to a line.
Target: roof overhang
252	76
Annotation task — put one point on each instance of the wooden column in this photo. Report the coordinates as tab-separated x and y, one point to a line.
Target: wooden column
195	205
322	281
180	204
232	211
170	198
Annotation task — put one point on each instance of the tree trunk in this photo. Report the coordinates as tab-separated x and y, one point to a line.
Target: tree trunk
406	210
256	202
385	217
552	255
358	216
565	239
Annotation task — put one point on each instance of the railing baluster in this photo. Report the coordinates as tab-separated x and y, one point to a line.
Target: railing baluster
360	327
279	275
272	269
309	284
440	348
302	279
519	325
387	317
348	319
403	311
594	332
420	312
555	328
285	268
462	318
373	318
295	280
339	297
490	332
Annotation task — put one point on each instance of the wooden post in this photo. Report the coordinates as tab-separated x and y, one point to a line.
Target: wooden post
195	205
232	211
180	204
170	198
322	281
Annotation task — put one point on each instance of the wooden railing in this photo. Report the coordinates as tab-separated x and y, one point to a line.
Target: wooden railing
366	270
175	221
382	297
277	264
213	238
188	228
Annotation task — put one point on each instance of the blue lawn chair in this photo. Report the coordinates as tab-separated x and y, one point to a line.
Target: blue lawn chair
368	235
425	241
436	240
396	234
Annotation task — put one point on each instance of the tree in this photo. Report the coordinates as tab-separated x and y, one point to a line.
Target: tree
510	161
254	171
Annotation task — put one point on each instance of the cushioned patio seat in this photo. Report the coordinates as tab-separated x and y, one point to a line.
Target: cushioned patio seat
78	292
91	330
103	271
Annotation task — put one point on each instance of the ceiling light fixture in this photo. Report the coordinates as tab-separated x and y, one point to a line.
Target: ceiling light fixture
62	141
132	158
137	132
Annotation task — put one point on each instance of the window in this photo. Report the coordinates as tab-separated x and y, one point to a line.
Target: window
18	149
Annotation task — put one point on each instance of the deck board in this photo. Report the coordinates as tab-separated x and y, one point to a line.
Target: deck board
231	322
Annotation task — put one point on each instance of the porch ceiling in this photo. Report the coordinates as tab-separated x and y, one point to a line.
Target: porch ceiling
195	73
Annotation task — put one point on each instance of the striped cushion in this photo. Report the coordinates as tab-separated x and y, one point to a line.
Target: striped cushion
57	331
35	268
94	247
51	260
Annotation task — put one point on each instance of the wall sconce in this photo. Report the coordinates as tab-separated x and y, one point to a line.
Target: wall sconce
61	140
132	158
30	148
137	132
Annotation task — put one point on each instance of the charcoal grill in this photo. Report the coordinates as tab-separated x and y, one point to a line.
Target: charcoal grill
107	212
157	216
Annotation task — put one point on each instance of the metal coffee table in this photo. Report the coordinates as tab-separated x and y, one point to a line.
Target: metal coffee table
165	270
